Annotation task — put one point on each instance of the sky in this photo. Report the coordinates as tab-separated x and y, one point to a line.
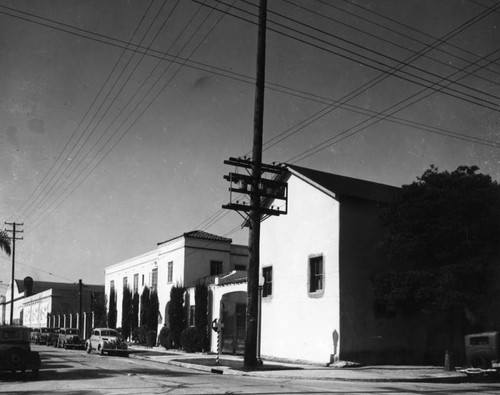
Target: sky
116	116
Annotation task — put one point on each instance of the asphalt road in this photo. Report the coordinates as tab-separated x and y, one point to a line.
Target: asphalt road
76	372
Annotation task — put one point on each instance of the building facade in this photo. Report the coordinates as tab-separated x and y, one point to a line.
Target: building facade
318	302
180	261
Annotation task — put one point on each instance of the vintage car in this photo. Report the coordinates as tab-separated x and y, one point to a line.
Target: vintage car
52	337
15	350
70	338
106	340
35	335
41	335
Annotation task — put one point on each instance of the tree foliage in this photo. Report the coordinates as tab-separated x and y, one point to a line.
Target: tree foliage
152	312
201	314
443	238
98	307
126	312
5	242
112	308
144	307
177	314
134	320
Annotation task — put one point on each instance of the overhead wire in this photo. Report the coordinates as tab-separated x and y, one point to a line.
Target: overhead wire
405	48
110	104
136	118
31	198
244	78
380	66
403	25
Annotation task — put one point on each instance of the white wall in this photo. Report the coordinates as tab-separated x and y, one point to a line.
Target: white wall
296	325
36	308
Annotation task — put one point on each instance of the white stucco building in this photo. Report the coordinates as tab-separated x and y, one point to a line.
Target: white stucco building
182	260
318	303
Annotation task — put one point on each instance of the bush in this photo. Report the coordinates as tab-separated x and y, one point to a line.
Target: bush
164	338
189	339
150	338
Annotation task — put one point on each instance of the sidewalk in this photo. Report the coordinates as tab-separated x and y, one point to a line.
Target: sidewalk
230	364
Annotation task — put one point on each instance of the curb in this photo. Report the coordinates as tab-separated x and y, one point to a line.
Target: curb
452	379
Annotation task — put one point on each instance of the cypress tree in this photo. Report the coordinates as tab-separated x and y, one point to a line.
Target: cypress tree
201	315
112	308
126	312
152	313
177	314
144	307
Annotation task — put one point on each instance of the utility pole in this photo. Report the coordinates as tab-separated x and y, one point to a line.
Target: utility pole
250	357
80	285
13	238
262	193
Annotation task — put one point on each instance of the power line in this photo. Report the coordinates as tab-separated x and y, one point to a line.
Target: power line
23	206
403	47
113	100
406	26
133	123
380	66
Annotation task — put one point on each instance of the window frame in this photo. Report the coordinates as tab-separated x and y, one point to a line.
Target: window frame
316	283
267	288
219	267
170	272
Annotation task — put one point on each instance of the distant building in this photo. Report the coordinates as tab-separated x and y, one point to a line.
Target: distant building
48	304
182	260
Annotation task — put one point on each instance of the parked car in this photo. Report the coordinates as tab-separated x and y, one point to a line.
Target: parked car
15	350
41	335
52	337
106	340
35	335
70	338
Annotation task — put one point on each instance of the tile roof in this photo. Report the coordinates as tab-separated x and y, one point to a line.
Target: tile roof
233	277
347	186
199	234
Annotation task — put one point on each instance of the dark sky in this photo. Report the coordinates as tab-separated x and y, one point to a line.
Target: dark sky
116	116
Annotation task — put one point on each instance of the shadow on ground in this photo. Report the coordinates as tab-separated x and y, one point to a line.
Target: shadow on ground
235	364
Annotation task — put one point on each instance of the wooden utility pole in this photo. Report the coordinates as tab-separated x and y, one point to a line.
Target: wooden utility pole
80	310
13	238
250	358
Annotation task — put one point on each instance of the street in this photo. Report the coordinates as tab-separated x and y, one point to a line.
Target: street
76	372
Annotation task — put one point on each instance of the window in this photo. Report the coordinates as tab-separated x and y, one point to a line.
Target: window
136	282
170	272
142	280
267	289
215	268
316	274
112	284
191	315
125	282
240	267
154	279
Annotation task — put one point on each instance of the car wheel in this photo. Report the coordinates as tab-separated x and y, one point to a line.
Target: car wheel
35	373
100	349
16	358
65	346
89	349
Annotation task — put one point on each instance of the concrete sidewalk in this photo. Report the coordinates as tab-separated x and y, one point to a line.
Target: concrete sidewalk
230	364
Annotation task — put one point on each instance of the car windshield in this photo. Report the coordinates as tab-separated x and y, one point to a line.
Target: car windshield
46	330
109	333
72	331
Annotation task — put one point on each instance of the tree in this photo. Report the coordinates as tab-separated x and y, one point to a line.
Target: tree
443	239
134	321
98	306
144	306
201	315
126	312
177	314
152	313
112	308
5	242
